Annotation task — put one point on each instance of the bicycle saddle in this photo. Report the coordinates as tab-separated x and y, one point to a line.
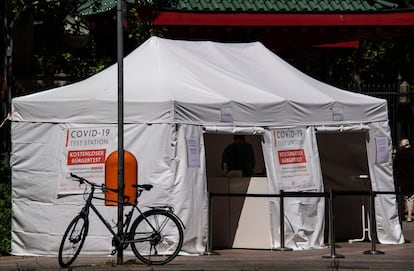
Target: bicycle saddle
146	187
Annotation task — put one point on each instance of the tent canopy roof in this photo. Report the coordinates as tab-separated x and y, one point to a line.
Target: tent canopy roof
173	81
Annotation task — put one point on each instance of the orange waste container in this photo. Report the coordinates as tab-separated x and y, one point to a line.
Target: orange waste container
130	178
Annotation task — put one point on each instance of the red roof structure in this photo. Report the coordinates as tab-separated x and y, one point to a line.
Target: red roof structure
295	26
279	24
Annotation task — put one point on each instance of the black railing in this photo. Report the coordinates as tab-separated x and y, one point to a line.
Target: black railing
331	218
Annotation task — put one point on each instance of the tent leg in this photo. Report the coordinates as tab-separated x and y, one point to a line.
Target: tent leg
282	225
209	249
332	230
365	227
373	250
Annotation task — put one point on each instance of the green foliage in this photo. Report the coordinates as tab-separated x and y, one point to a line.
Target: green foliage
378	60
78	64
5	205
57	49
42	7
140	18
374	61
59	55
409	3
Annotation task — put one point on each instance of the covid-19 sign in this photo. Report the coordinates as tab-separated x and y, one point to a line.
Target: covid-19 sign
85	150
293	163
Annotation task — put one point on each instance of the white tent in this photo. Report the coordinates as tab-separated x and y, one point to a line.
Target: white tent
174	92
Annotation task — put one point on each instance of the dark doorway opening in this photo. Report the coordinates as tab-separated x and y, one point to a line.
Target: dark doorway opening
344	165
233	216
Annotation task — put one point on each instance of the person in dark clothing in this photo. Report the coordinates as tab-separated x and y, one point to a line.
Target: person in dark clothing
239	155
404	175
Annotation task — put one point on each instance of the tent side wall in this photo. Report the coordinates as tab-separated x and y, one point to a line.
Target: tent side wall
40	170
386	213
34	160
304	217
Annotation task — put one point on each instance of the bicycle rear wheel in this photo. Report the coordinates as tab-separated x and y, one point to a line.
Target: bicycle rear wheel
158	237
73	240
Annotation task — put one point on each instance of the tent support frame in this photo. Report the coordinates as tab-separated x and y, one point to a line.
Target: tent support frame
120	53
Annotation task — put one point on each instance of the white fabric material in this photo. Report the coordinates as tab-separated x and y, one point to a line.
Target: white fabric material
172	89
304	217
40	217
386	213
342	128
191	82
234	130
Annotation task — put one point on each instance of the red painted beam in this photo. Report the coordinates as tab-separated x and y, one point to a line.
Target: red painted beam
345	44
250	19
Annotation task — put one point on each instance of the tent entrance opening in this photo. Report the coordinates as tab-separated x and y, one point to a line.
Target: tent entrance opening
237	222
344	166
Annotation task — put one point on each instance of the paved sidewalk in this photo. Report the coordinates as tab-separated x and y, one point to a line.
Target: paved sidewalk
395	258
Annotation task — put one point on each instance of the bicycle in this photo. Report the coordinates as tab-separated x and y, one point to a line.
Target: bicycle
156	235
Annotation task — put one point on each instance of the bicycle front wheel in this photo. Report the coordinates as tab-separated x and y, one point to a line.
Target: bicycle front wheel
157	237
73	240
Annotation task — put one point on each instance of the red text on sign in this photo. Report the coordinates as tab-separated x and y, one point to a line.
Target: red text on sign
291	156
82	157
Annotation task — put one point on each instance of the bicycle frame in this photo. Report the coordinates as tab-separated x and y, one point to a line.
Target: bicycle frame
148	228
121	240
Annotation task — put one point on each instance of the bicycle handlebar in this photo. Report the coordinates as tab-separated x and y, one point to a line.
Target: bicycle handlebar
82	180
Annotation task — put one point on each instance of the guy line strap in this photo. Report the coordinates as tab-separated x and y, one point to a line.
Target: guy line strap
306	194
8	117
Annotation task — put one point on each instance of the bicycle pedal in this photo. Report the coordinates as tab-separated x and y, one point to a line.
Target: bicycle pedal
113	252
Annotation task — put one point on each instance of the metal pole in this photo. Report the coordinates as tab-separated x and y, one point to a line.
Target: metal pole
395	105
400	203
120	53
332	229
8	56
209	250
282	224
373	250
209	241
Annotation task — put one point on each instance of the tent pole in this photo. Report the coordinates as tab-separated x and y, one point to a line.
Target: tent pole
120	52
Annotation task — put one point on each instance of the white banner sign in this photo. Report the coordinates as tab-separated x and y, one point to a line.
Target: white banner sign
382	152
193	152
84	153
293	163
